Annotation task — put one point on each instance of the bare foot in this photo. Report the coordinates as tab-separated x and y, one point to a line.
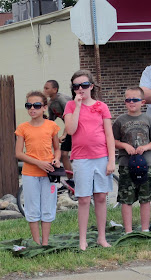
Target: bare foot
103	243
83	246
128	232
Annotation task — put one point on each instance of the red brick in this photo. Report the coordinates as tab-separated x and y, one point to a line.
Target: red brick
121	66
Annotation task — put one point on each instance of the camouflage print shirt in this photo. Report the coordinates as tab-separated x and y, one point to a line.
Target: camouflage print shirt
134	130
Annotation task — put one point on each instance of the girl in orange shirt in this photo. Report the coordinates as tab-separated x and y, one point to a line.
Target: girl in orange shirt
38	135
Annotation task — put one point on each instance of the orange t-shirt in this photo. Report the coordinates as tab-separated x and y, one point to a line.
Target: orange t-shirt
38	143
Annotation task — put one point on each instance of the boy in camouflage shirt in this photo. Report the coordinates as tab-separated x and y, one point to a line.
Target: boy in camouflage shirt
132	132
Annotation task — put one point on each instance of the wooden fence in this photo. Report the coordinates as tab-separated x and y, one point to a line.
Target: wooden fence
8	163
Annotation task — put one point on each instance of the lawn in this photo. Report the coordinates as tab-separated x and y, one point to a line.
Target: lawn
67	260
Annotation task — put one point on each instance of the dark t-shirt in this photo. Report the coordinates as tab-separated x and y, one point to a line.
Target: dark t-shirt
135	131
56	106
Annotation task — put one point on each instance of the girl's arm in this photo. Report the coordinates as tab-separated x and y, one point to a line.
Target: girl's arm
57	152
71	120
110	145
44	165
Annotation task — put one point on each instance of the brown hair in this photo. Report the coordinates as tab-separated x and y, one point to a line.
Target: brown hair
39	94
88	74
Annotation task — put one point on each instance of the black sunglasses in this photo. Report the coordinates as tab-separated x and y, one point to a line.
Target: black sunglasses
36	105
128	100
84	85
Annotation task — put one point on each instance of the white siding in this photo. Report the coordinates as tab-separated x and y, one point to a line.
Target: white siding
32	67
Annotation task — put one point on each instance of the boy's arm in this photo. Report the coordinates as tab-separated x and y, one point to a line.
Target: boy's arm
44	165
125	146
63	101
57	152
130	149
141	149
117	135
110	145
63	136
52	116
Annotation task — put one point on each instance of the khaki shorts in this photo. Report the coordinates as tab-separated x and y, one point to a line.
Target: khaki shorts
129	192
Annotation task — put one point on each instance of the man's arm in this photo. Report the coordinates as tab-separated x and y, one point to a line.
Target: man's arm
52	116
63	99
145	84
147	94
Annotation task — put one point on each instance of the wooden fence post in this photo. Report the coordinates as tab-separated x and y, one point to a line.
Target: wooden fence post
9	181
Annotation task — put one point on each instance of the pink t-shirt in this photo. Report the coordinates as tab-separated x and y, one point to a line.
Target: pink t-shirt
89	140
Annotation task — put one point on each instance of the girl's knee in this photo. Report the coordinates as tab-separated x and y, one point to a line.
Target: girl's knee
100	198
84	200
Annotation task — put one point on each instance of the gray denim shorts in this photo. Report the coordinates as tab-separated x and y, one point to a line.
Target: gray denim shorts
90	176
40	199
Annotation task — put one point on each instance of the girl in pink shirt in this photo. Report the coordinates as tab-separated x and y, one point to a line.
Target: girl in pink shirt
93	152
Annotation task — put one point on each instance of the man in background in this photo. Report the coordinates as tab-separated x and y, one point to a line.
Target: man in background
145	84
56	108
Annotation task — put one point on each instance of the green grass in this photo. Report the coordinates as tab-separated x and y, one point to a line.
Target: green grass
68	260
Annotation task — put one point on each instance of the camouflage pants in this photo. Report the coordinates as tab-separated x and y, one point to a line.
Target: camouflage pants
129	192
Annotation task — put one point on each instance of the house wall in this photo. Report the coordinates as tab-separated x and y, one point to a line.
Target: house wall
121	63
121	67
32	66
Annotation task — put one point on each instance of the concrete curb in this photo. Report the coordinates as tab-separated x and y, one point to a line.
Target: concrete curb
130	273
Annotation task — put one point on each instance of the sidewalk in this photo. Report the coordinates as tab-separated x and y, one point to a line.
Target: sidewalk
129	273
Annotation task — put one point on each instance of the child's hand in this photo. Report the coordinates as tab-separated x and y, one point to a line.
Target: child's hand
45	165
78	99
140	150
110	168
56	163
130	149
62	139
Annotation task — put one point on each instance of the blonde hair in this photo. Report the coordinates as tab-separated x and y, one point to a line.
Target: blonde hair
136	88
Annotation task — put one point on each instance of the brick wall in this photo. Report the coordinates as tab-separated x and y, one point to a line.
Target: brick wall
4	17
121	67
